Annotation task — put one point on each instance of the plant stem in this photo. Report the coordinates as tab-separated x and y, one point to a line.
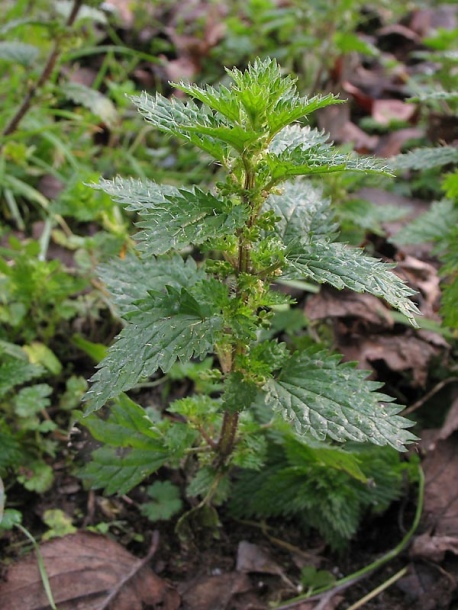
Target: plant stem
227	439
44	76
226	442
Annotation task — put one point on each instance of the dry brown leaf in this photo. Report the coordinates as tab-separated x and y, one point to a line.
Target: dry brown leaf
386	111
451	421
425	21
252	558
427	588
441	487
331	303
433	547
400	353
215	592
393	143
423	277
335	120
83	569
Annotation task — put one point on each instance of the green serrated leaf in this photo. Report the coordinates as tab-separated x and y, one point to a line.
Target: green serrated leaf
166	501
37	477
345	267
431	226
322	397
129	279
172	219
300	151
119	470
133	448
301	210
180	119
18	52
15	371
425	158
238	393
10	449
159	332
449	303
32	400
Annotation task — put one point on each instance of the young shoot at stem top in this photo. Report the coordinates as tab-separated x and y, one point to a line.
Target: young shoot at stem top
262	220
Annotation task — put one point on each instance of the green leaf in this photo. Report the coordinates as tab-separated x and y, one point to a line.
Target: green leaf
30	401
39	353
15	369
119	470
431	226
322	397
59	524
181	119
18	52
96	351
38	477
163	328
301	211
425	158
299	151
259	100
238	393
175	218
166	501
10	449
133	448
96	102
11	517
449	303
262	94
127	426
129	279
430	95
346	267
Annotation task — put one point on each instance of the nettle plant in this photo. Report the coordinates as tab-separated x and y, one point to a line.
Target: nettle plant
261	222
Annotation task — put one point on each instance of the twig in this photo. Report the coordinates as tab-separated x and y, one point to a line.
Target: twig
361	602
375	565
135	569
44	76
430	394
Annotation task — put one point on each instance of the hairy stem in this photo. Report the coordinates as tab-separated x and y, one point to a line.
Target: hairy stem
226	442
227	439
44	76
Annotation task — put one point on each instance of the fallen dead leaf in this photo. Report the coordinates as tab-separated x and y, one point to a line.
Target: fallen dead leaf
433	547
451	421
393	143
426	588
362	325
332	303
386	111
215	592
335	121
83	570
423	277
400	353
441	490
425	21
